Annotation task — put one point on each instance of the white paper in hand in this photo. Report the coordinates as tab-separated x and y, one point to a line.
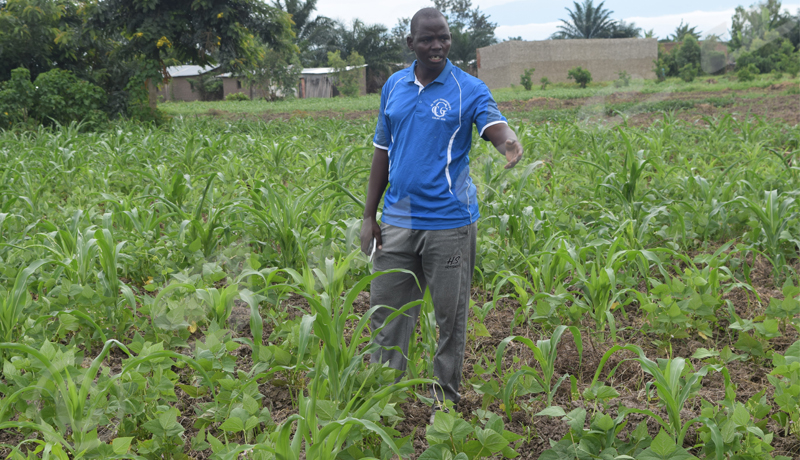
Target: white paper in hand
374	247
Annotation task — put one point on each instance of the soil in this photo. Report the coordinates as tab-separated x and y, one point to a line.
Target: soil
629	380
773	103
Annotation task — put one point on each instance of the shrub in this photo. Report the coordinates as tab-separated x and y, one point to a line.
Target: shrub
57	96
712	61
624	79
525	79
347	81
688	72
544	81
581	76
209	87
747	73
16	97
688	53
237	97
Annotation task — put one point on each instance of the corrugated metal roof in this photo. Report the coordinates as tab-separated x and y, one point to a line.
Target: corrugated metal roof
188	70
326	70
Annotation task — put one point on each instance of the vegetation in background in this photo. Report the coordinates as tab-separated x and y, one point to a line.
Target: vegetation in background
56	96
470	29
581	76
623	80
275	74
237	97
544	81
221	261
525	79
207	85
346	81
590	21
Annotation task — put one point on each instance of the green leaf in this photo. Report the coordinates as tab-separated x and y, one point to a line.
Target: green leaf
603	422
233	424
553	411
491	440
444	422
121	445
663	444
702	353
436	452
479	330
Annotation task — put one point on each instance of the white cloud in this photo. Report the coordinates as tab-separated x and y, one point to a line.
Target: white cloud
540	31
708	22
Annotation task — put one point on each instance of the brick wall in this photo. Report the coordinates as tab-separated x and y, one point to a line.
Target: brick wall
501	65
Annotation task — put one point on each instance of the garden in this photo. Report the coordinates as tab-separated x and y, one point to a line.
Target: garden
195	289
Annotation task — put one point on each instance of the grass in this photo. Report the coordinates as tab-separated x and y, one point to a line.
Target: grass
563	91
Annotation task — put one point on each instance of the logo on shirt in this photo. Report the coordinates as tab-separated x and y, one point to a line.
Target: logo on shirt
440	107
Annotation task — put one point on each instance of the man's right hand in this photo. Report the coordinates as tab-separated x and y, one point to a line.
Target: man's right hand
369	230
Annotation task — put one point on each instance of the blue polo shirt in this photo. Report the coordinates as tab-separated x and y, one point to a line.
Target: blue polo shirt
428	134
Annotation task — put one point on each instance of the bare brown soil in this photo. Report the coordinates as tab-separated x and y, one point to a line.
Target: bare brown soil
772	103
629	380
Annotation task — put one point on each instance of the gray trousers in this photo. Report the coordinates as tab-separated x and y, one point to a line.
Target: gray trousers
442	260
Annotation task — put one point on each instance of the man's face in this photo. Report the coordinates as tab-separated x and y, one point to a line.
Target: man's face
431	43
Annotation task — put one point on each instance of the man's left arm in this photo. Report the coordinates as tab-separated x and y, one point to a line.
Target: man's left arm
505	141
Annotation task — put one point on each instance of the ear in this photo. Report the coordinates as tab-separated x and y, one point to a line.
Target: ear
410	42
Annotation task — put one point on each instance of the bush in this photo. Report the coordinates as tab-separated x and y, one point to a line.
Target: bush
581	76
525	79
712	61
688	53
16	97
347	81
57	96
688	72
237	97
544	81
624	79
747	73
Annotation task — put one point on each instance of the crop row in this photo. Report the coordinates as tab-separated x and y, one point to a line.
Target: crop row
126	256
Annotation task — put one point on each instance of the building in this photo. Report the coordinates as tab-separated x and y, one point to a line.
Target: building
179	87
501	65
314	82
318	82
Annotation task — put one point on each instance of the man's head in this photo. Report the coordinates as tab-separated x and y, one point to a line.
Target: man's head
429	39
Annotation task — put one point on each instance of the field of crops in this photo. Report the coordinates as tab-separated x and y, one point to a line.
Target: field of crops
196	291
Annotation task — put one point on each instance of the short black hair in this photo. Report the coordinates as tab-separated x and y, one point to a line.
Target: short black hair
427	13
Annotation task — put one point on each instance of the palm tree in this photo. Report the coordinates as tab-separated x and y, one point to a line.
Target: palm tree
622	29
682	30
586	21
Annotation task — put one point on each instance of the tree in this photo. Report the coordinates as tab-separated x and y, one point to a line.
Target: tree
470	29
764	36
39	35
380	51
622	29
312	36
400	31
581	76
763	22
220	32
276	74
347	81
682	31
586	21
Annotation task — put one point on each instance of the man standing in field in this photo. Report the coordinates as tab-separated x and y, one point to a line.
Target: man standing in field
422	141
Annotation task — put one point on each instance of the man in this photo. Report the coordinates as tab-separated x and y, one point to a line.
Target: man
422	141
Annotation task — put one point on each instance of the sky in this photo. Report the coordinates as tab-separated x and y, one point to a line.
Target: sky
537	19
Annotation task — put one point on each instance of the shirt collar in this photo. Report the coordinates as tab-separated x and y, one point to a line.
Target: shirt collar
448	67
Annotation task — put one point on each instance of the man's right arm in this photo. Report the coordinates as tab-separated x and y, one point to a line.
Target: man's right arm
378	179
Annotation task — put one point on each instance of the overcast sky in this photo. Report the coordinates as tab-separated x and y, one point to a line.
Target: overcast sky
537	19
